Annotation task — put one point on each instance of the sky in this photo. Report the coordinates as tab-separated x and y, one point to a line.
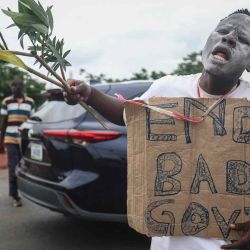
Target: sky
119	37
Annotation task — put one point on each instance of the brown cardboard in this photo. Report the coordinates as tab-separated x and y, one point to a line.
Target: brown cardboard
208	165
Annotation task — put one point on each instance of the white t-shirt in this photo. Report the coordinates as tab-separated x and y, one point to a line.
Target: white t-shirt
187	86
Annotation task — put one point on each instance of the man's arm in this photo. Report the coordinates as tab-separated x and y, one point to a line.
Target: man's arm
110	107
244	241
3	129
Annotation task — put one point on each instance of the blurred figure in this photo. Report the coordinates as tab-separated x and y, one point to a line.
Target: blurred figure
15	110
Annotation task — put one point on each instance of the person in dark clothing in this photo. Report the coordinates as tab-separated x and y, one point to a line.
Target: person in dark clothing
15	110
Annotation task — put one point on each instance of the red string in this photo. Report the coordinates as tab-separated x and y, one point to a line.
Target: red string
178	115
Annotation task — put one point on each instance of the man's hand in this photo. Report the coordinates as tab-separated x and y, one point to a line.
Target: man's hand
2	148
244	241
108	106
79	91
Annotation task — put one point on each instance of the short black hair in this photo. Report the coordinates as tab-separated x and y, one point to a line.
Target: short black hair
17	81
241	11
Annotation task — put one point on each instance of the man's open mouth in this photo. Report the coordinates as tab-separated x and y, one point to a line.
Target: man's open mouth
221	53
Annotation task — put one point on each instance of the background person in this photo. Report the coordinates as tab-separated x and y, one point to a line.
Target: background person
15	110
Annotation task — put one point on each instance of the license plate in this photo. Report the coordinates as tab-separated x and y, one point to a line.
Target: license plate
36	152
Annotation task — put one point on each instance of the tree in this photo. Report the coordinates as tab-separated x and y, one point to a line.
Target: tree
145	75
190	65
141	75
33	88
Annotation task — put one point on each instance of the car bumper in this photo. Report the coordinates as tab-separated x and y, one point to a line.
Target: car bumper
54	196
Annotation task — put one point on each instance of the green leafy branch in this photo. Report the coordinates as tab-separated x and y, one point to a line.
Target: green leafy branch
37	24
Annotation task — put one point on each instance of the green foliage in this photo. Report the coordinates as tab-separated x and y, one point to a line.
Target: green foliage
32	20
56	55
191	65
141	75
9	57
145	75
37	23
33	88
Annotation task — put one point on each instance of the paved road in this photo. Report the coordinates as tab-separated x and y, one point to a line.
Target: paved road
34	228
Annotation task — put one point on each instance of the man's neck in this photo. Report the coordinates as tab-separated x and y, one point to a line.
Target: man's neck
18	96
215	85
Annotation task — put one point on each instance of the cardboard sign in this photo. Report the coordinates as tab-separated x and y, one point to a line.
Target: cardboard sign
187	179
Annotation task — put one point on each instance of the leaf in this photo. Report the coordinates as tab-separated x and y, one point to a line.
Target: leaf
57	45
10	13
67	63
21	18
56	54
41	28
11	58
21	35
37	10
56	67
21	41
32	37
40	39
12	25
50	17
24	8
41	6
66	53
54	41
22	32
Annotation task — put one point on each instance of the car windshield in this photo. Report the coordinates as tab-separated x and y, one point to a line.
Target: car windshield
57	111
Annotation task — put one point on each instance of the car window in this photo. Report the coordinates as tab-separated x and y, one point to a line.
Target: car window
129	91
56	111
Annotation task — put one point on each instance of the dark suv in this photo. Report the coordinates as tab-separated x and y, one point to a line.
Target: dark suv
72	165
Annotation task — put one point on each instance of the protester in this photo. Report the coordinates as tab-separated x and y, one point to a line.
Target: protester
225	57
15	110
